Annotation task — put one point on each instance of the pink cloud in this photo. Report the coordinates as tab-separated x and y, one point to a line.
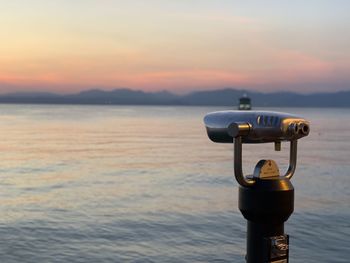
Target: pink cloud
290	66
284	69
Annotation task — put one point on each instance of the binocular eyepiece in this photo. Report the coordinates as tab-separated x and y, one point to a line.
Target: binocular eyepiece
255	126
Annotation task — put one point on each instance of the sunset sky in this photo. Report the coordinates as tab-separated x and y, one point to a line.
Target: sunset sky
176	45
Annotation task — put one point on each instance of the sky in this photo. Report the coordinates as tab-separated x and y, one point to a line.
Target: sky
67	46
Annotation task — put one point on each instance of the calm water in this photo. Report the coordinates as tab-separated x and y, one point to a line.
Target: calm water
144	184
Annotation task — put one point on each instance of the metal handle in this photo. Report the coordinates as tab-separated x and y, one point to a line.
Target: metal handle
241	179
292	159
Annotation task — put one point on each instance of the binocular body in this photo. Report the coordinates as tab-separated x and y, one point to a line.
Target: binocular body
255	126
266	199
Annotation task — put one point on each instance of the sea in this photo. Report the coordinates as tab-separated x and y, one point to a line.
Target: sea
145	184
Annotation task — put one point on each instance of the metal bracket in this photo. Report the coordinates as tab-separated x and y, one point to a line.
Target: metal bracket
292	159
237	157
243	180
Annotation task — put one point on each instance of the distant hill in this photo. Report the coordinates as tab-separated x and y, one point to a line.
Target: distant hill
229	97
95	96
222	97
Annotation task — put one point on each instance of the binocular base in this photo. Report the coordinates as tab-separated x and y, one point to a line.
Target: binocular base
267	243
267	205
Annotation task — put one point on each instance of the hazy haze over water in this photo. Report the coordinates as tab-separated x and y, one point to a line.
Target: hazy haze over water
144	184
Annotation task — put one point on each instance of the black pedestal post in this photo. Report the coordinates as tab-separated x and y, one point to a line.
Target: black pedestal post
267	205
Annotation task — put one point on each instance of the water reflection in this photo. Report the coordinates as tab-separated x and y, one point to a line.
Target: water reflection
145	184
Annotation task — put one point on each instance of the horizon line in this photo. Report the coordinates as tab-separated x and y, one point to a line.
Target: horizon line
106	90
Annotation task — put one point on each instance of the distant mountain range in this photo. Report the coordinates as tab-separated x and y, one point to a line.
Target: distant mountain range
222	97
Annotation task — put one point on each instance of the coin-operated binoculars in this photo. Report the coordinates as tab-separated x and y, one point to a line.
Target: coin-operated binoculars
266	198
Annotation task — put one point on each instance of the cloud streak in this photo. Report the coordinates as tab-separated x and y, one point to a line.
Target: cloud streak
172	45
